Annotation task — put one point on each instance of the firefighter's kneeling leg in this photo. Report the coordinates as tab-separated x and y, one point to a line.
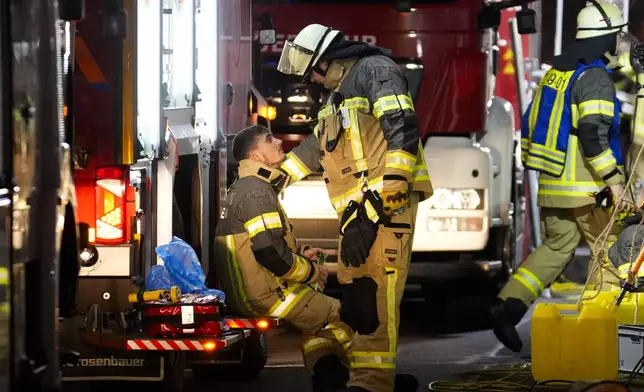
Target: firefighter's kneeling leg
326	340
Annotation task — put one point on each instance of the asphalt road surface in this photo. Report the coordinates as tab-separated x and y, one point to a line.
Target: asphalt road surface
433	345
423	351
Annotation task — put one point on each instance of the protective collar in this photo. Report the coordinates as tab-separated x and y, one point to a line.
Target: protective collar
337	71
587	51
612	62
277	178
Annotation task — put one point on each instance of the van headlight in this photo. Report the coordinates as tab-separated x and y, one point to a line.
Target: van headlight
456	199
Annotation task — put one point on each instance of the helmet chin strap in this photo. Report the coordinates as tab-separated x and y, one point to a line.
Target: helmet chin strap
319	70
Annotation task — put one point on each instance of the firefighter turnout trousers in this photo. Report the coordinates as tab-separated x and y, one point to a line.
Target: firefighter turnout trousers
371	302
561	230
317	316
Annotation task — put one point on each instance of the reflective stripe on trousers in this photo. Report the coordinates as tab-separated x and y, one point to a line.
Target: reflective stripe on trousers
383	359
529	280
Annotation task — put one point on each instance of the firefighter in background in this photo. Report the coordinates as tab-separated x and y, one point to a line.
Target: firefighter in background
630	79
367	141
570	134
261	268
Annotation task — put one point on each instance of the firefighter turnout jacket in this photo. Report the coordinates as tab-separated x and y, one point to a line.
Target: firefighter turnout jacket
570	134
367	134
258	264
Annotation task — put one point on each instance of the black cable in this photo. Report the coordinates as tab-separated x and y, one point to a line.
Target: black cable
538	383
636	369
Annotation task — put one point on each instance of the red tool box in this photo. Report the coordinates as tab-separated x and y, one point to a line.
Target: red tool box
172	320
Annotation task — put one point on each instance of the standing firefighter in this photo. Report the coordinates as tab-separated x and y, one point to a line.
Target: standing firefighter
261	268
367	141
570	134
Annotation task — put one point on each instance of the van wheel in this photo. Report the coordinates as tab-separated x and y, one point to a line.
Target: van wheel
174	367
255	354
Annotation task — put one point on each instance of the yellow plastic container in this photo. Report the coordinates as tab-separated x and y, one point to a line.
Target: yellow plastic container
627	312
572	345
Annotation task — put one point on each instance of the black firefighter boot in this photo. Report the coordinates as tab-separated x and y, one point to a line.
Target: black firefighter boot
402	383
505	316
329	374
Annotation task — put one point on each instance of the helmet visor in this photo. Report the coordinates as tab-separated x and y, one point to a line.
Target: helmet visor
295	60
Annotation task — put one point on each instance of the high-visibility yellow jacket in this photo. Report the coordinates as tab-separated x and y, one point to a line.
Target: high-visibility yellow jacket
570	134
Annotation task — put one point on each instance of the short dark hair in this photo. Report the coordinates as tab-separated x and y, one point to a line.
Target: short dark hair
246	141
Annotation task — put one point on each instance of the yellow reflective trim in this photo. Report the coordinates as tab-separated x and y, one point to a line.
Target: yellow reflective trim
326	111
399	159
392	329
295	167
356	141
392	103
377	360
548	152
293	295
603	163
351	217
371	211
419	174
638	132
534	112
575	116
4	276
316	344
340	335
527	273
231	255
260	223
542	164
300	270
596	106
4	308
355	103
555	120
349	103
355	194
526	284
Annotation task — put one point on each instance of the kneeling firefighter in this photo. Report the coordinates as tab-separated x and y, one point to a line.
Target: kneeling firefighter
367	141
264	272
570	134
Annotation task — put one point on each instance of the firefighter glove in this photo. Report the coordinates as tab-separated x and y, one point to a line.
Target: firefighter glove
394	201
358	235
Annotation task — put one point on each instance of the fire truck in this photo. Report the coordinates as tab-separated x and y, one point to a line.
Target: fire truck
154	92
39	238
474	224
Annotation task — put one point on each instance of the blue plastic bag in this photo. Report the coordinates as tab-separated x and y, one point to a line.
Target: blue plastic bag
158	279
184	269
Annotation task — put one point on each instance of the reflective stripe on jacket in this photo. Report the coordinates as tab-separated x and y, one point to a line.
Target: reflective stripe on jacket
367	134
551	142
257	259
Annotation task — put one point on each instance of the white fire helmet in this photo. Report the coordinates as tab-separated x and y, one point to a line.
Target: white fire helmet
304	51
599	17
